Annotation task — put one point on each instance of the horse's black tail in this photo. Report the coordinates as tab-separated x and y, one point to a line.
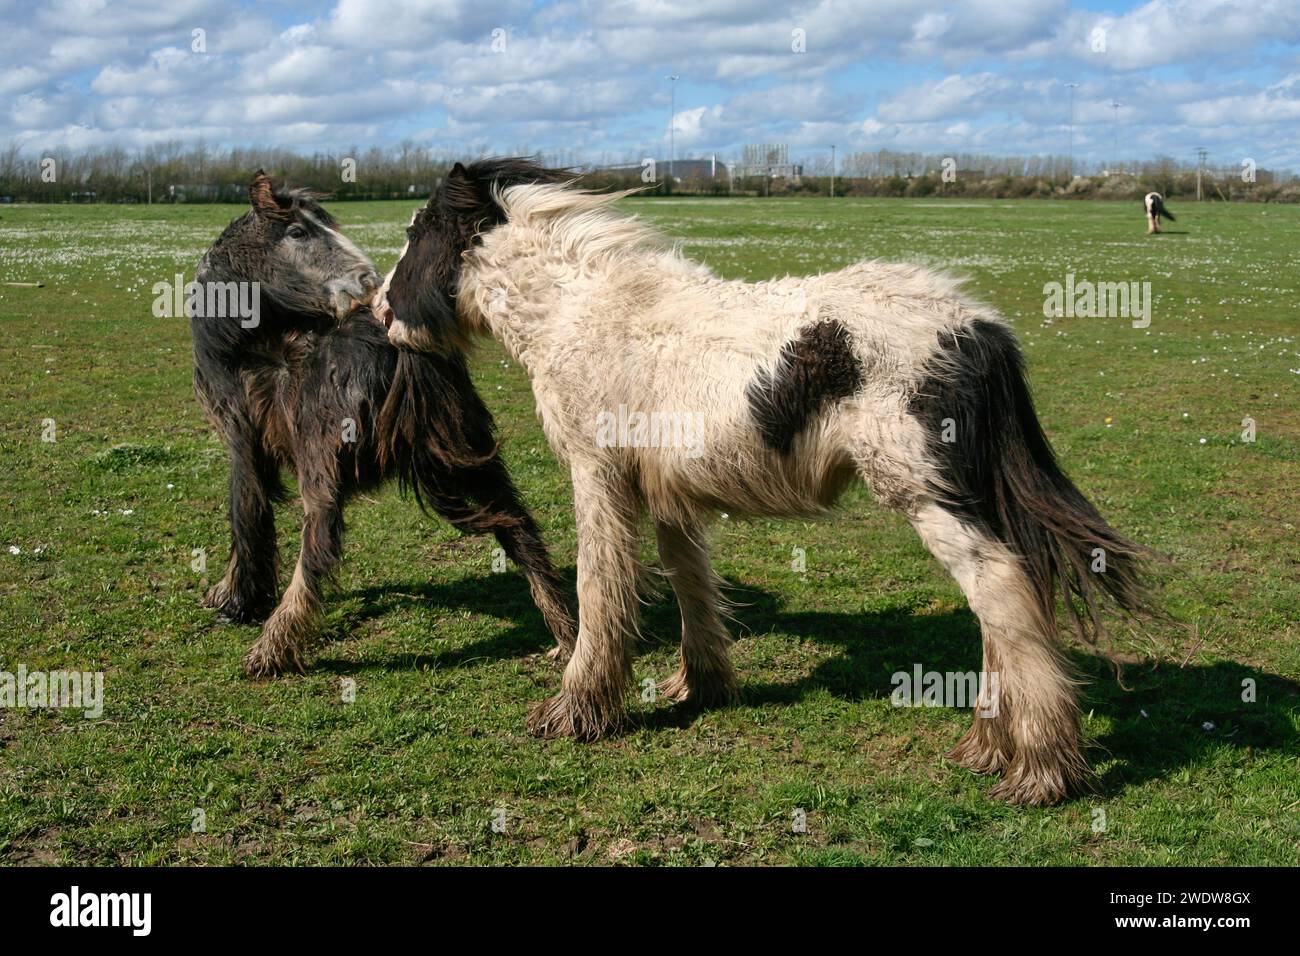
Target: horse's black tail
1158	208
1001	475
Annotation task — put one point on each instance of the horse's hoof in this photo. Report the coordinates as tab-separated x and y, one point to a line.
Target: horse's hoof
261	662
235	608
563	716
700	691
1045	785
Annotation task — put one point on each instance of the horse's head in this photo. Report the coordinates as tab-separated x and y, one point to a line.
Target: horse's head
293	249
418	298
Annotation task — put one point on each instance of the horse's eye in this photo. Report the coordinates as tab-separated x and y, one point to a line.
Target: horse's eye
296	232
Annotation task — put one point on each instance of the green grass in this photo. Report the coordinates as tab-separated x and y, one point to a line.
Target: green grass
446	654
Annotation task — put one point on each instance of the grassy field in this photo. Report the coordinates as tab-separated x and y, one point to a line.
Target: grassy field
98	528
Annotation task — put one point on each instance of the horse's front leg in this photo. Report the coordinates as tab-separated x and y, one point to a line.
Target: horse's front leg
285	640
592	701
246	592
706	677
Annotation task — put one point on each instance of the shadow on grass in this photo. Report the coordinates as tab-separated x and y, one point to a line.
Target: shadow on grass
505	596
1168	718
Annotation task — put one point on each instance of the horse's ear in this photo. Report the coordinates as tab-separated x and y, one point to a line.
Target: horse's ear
262	194
458	172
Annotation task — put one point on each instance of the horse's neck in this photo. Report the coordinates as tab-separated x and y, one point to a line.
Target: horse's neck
516	290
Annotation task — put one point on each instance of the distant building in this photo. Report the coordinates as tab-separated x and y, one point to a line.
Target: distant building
770	160
684	170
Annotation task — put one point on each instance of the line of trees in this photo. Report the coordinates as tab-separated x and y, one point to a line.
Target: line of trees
890	173
174	173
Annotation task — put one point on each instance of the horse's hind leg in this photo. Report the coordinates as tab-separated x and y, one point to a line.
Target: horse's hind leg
287	635
502	513
706	676
1031	733
522	542
246	592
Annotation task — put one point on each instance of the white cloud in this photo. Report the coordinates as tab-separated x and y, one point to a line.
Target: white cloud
952	96
588	75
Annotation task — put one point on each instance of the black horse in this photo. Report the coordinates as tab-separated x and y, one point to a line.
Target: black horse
306	379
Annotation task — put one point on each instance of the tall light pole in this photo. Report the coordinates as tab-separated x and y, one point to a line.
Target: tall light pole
1201	153
672	125
1115	105
832	170
1073	87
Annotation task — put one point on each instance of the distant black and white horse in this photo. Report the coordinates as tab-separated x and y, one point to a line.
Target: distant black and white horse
316	386
1154	204
791	389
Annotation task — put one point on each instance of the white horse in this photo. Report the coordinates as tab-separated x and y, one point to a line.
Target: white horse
1154	204
791	389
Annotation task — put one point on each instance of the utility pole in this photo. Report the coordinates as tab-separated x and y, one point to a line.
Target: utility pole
1073	87
672	127
832	170
1201	153
1115	105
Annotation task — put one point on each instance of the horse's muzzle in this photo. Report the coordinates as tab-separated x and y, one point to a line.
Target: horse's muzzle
349	295
383	311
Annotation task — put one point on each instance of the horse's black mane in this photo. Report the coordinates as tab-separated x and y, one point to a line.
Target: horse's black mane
465	194
307	200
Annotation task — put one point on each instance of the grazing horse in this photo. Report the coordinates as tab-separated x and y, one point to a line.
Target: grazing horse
792	388
1154	204
314	385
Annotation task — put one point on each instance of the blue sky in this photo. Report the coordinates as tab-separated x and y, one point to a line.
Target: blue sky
586	80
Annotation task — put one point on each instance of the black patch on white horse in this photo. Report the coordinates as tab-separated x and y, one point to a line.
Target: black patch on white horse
812	371
1154	204
999	474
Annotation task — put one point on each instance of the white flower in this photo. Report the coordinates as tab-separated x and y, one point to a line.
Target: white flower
14	549
1207	726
